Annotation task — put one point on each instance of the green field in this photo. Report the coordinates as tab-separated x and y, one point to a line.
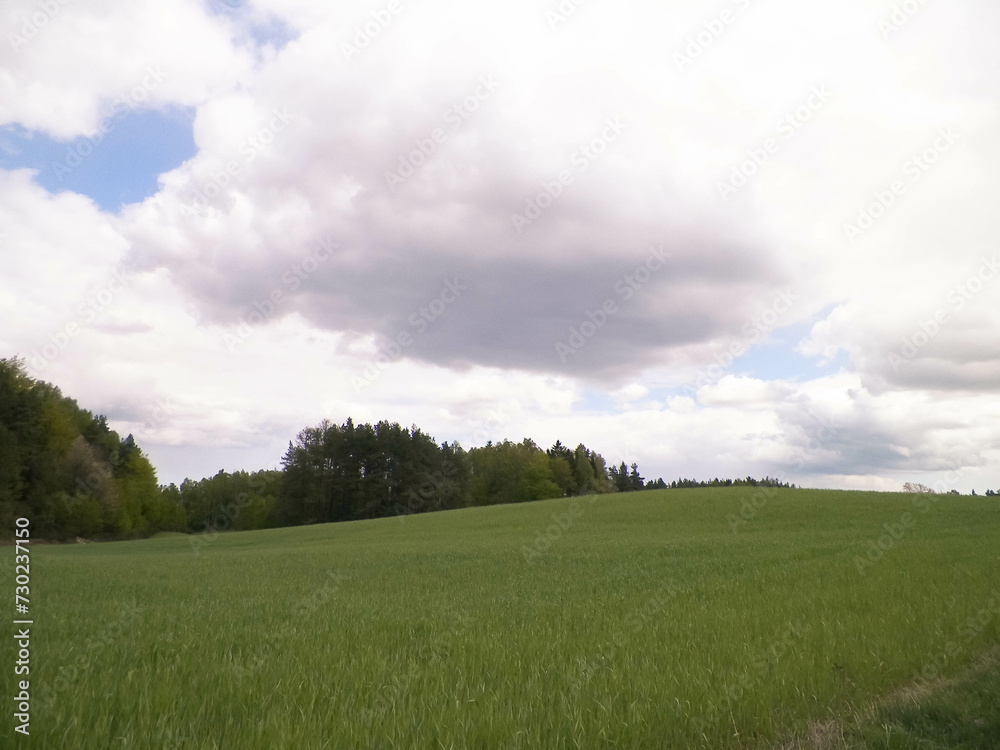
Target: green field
648	622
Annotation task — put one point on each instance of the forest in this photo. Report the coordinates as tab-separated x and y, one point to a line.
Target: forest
68	472
359	471
75	478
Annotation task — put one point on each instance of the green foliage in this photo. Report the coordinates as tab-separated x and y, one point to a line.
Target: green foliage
748	482
625	480
351	472
348	472
562	474
68	472
227	502
73	476
537	480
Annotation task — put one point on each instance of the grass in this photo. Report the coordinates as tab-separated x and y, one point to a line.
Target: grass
647	622
962	712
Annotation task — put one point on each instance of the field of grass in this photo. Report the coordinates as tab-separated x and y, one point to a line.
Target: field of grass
649	620
959	712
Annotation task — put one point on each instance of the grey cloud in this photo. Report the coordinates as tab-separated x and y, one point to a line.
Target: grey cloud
121	328
525	291
510	311
865	439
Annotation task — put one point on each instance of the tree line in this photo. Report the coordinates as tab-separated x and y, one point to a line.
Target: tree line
73	476
747	482
354	471
68	472
350	472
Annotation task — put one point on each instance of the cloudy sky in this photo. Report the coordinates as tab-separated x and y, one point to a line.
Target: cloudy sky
727	238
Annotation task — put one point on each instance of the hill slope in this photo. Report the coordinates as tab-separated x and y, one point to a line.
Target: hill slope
648	620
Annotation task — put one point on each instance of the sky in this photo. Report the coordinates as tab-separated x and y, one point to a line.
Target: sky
747	237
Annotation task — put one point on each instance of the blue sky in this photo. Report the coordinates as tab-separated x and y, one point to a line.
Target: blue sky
119	168
778	358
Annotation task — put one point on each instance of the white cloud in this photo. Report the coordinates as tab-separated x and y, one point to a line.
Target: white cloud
63	74
294	145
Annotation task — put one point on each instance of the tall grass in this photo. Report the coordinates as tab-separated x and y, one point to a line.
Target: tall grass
646	622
